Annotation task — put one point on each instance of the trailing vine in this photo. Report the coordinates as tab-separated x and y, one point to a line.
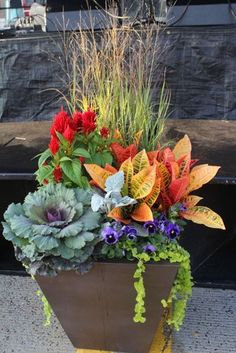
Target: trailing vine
181	290
47	310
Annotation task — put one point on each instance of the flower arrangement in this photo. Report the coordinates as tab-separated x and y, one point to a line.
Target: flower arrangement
101	199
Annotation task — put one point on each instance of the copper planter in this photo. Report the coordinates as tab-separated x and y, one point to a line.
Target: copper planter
96	309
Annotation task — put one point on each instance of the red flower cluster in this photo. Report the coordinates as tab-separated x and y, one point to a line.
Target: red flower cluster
67	127
104	132
57	174
85	122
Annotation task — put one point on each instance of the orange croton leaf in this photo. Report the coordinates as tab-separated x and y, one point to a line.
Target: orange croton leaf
178	188
153	196
174	170
152	156
98	174
192	200
183	148
142	213
166	156
122	153
143	182
204	215
117	214
110	168
140	161
201	175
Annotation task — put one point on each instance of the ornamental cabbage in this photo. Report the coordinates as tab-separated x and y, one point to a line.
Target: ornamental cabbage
54	229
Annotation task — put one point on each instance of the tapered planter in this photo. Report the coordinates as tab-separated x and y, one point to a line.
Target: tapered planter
96	309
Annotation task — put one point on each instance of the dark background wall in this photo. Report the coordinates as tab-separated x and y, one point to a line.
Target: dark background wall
200	72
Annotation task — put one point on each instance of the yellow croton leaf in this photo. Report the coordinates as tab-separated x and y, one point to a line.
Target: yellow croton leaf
201	175
143	182
182	148
140	161
192	200
127	168
163	173
204	215
152	197
142	213
98	174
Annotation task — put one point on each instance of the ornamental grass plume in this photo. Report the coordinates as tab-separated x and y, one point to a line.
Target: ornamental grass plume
117	73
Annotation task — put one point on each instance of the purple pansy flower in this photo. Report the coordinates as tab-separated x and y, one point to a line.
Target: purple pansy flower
149	248
130	232
151	227
172	231
110	236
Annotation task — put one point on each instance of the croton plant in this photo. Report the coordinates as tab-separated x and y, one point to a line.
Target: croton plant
99	199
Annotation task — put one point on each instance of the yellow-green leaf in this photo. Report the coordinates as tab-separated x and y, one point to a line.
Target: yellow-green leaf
127	168
201	175
204	215
182	148
143	182
140	161
165	176
152	197
98	174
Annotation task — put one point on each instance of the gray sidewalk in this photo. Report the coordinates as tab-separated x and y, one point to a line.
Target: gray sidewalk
210	325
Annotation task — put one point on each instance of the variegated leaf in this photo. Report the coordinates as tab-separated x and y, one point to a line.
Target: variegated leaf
127	168
143	182
140	161
204	215
184	166
98	174
165	176
142	213
178	188
192	200
182	148
110	168
153	196
201	175
117	214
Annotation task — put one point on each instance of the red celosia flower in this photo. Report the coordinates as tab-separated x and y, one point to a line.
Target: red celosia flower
88	122
69	134
104	132
54	145
78	120
57	173
60	123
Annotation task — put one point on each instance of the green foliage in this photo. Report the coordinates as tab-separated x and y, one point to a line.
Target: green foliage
166	250
181	290
92	148
54	229
47	310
